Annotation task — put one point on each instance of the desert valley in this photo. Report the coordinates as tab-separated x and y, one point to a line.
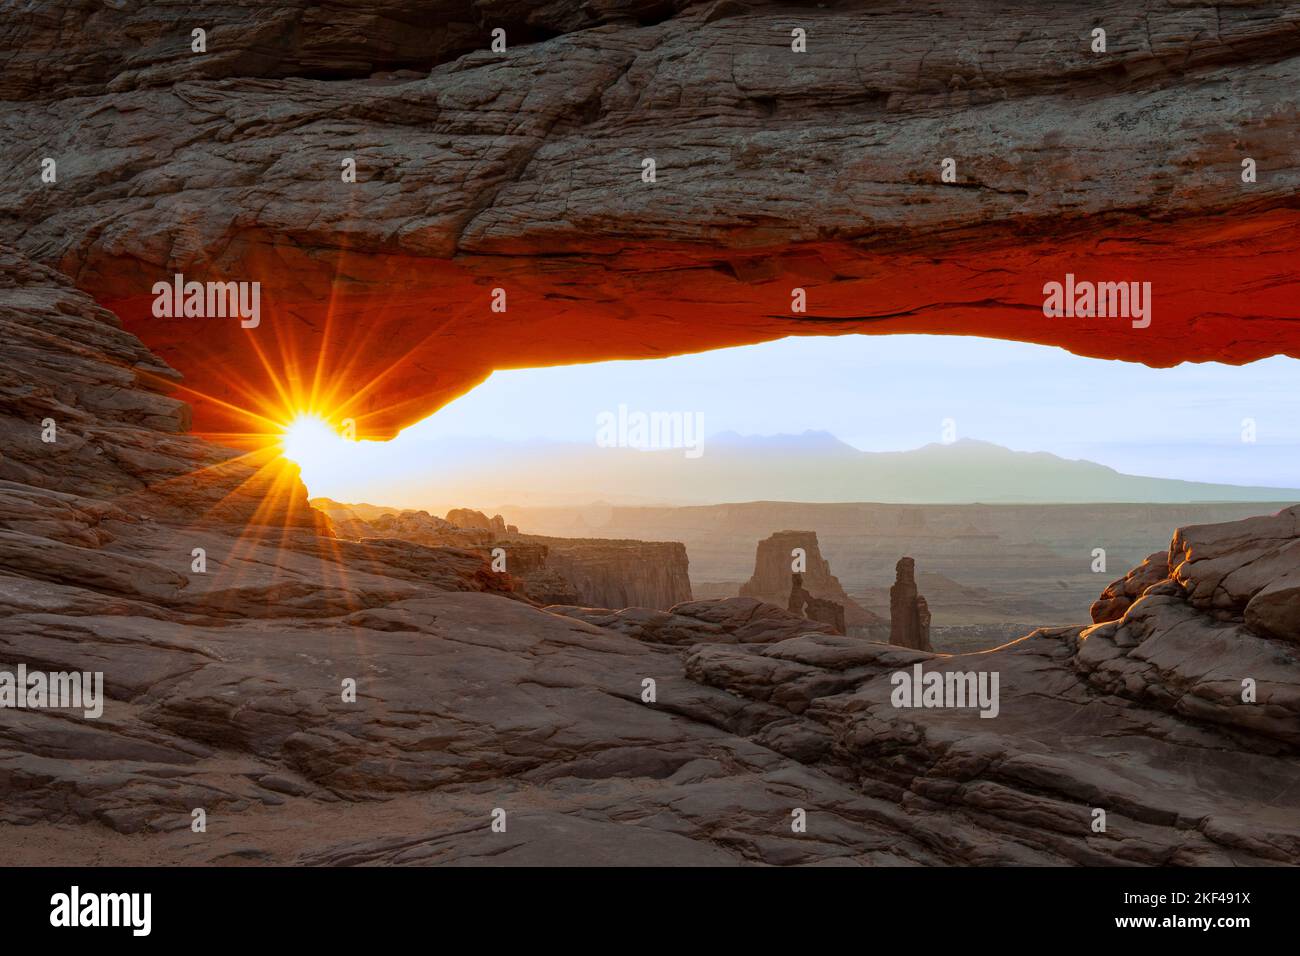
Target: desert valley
341	686
330	536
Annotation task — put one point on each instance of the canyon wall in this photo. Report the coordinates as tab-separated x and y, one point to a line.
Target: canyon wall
222	684
979	564
596	572
620	574
226	615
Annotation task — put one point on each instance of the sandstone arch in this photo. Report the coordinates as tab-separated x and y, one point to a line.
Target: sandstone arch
776	170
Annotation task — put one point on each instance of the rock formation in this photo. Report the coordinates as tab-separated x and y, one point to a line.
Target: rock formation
226	614
1141	716
775	170
909	615
737	620
469	518
798	595
815	608
1179	718
1120	595
594	572
618	574
773	576
547	586
419	527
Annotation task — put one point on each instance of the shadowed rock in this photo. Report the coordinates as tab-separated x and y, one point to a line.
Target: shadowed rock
1179	717
815	608
612	573
596	572
740	620
909	615
773	577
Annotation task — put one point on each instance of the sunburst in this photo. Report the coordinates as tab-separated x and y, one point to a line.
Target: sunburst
311	443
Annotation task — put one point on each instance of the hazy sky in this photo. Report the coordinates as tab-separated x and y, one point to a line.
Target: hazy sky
894	392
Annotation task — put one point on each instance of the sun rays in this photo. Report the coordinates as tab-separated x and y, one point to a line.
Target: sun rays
314	446
309	438
292	409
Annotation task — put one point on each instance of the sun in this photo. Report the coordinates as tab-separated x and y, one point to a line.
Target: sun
311	443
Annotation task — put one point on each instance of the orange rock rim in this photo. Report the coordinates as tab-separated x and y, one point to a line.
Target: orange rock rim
386	340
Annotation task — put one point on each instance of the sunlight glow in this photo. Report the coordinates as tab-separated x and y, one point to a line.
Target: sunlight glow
311	444
530	436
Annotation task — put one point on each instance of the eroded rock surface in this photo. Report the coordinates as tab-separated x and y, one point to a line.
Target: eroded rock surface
227	686
771	581
612	573
595	572
1120	595
732	620
1248	570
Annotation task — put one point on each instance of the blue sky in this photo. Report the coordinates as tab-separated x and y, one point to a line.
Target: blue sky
876	393
894	392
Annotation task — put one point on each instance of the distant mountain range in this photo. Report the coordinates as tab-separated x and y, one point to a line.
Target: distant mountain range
807	443
814	467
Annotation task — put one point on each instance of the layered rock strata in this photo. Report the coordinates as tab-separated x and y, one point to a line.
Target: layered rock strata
595	572
618	574
775	559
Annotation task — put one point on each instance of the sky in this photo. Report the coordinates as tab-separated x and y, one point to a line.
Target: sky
881	393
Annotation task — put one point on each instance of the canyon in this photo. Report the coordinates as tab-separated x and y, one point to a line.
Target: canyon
223	685
337	684
597	572
989	572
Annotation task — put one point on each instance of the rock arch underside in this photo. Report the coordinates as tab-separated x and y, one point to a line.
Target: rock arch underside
522	171
775	170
